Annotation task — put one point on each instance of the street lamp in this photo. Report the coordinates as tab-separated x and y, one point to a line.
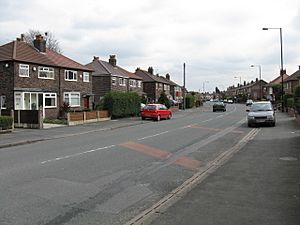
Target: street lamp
240	80
204	85
259	74
281	63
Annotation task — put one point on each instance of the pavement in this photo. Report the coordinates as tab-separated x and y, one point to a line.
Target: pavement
259	185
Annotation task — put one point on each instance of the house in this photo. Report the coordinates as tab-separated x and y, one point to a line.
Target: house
254	90
108	76
277	80
292	82
175	89
153	85
34	77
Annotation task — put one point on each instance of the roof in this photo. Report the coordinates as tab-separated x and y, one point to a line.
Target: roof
294	77
148	77
101	67
24	52
277	80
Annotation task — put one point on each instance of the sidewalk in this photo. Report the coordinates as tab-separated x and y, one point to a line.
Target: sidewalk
259	185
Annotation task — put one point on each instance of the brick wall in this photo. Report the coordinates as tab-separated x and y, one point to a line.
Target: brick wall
6	83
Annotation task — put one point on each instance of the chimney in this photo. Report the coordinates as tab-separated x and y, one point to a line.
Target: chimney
95	58
168	76
256	80
244	83
40	43
150	70
112	60
282	72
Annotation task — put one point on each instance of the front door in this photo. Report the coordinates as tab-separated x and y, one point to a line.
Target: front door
86	102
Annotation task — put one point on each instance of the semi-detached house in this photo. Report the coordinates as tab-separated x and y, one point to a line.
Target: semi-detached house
35	77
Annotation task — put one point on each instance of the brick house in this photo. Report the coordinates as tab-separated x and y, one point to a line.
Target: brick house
153	85
33	77
277	80
108	76
175	89
292	82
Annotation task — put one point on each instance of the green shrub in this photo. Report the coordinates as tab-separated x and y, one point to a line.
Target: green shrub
121	104
297	99
6	122
189	101
163	99
290	103
285	98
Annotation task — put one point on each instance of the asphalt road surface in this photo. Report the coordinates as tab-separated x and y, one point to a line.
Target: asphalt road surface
110	176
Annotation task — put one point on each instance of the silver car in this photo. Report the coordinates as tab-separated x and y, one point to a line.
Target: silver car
261	113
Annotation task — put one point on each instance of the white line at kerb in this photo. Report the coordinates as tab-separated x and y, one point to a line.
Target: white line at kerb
77	154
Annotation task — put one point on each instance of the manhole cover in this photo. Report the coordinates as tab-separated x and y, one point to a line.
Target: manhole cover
288	158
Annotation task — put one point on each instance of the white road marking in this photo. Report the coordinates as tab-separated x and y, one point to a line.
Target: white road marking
154	135
77	154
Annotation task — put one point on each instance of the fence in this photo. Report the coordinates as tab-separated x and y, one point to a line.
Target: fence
25	118
75	118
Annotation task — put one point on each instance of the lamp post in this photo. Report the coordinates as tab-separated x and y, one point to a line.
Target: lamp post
240	84
183	107
259	75
281	62
204	86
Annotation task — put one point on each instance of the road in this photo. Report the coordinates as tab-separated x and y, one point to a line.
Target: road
110	176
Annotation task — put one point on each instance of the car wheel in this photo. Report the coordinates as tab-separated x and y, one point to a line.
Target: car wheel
273	124
158	118
143	118
249	125
169	116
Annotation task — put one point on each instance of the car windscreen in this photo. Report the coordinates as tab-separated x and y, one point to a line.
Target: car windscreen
261	107
150	107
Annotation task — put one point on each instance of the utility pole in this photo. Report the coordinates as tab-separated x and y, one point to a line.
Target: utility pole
183	107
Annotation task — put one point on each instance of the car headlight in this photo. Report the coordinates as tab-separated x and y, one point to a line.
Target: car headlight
270	117
250	117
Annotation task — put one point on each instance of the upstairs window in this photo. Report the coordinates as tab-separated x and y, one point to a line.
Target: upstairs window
71	75
46	73
113	81
139	83
86	77
24	70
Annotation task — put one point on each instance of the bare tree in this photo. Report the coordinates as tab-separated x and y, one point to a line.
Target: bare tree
51	42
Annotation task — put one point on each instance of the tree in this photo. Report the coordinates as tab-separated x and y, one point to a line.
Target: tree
163	99
51	42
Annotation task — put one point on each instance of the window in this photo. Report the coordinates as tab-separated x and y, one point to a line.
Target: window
23	70
132	83
122	82
3	102
18	101
113	81
46	73
71	75
73	98
86	77
50	100
139	83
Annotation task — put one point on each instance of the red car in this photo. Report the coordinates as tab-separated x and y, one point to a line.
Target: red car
156	111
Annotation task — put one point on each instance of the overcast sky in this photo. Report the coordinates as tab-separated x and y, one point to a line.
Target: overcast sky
217	39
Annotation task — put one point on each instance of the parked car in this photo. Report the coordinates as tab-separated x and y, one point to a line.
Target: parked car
261	113
156	111
249	102
219	106
230	101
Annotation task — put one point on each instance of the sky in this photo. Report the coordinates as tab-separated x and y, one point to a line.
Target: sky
217	40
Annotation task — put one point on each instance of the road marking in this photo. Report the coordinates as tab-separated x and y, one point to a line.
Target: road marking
188	162
215	129
148	150
77	154
149	214
220	116
154	135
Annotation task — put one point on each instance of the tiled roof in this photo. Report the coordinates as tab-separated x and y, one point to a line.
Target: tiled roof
101	67
294	76
277	80
148	77
23	52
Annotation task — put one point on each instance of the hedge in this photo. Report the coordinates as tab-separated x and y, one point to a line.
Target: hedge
297	99
6	122
121	104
